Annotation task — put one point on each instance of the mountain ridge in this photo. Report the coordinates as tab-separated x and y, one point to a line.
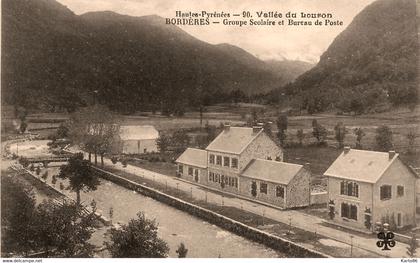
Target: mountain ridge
131	63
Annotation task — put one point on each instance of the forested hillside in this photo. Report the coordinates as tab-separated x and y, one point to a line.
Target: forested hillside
372	63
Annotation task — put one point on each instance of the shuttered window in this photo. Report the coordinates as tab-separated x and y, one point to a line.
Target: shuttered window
280	191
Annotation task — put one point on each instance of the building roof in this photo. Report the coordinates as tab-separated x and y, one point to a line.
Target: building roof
360	165
138	132
233	140
272	171
194	157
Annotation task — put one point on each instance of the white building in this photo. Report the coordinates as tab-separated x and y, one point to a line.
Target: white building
137	139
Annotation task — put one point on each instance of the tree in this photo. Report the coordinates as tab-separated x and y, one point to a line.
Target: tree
254	189
64	228
211	132
138	239
182	251
17	211
411	137
163	143
267	128
340	133
254	116
282	122
359	136
412	246
383	138
24	161
300	135
319	132
94	129
62	131
23	126
181	140
80	175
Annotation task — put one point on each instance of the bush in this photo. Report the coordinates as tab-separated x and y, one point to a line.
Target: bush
114	159
124	162
53	180
45	175
24	162
383	139
32	167
61	186
38	170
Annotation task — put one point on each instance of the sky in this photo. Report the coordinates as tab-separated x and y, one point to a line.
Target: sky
306	43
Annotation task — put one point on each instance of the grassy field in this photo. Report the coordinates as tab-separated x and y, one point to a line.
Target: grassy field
401	121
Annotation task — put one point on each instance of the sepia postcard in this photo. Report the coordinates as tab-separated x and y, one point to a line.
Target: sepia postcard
213	129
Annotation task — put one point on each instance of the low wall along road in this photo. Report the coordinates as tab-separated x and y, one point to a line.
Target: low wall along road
290	248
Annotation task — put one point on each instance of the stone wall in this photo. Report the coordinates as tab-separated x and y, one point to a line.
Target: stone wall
270	197
298	190
261	148
285	246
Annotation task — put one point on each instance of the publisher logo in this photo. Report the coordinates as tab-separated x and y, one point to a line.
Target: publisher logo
386	241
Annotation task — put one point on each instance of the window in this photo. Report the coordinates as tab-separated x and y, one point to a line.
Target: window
229	181
385	192
236	182
226	161
349	188
219	160
217	178
263	188
234	163
400	190
196	172
280	191
180	168
190	171
211	159
349	211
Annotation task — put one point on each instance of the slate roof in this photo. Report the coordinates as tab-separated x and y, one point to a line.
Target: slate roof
233	140
272	171
194	157
360	165
138	132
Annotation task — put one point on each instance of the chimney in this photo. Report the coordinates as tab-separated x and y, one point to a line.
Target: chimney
391	154
256	129
346	149
226	127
